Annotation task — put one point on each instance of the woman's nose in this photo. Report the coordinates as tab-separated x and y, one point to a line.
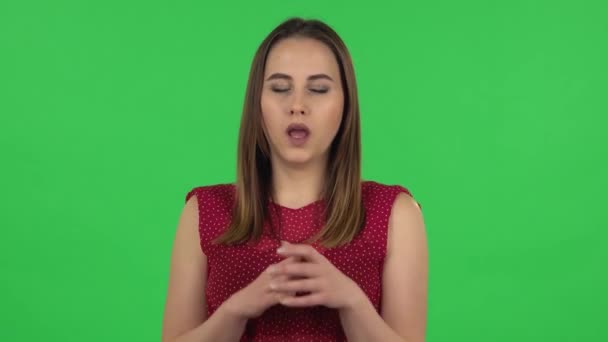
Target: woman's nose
297	110
297	107
298	103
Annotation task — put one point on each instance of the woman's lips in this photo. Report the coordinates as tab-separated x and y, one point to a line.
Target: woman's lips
298	133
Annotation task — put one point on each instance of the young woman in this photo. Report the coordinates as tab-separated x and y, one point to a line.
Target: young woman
352	262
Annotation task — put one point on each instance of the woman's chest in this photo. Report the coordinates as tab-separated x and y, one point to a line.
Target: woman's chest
230	269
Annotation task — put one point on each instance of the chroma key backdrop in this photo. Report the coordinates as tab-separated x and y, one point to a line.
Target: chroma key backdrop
493	114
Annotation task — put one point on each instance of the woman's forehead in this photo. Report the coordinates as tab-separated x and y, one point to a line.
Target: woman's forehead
301	57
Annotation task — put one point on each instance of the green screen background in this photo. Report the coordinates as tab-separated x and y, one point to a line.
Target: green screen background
493	113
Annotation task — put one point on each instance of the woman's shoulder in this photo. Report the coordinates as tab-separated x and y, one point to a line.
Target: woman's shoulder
221	191
377	188
374	191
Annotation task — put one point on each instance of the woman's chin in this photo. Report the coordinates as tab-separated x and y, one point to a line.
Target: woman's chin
298	157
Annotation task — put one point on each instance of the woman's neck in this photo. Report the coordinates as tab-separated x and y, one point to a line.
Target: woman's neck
295	187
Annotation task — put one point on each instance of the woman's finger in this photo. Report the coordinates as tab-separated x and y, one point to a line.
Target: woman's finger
296	286
315	298
307	252
300	270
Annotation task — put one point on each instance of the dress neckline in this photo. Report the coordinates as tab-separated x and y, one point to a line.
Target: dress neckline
302	208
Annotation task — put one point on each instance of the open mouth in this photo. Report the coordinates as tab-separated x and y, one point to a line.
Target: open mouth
298	131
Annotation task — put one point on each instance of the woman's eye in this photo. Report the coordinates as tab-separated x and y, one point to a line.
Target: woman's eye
279	90
286	89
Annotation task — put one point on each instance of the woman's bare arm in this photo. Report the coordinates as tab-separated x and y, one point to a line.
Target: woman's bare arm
185	315
404	283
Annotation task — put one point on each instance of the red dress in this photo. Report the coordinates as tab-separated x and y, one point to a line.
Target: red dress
232	268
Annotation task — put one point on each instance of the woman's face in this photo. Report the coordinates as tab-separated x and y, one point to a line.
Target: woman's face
301	86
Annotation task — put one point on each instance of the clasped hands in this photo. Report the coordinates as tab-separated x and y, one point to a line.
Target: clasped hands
307	278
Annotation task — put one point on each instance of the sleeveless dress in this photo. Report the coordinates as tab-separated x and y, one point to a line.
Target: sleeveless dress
230	269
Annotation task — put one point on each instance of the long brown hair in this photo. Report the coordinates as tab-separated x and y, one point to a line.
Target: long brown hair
344	212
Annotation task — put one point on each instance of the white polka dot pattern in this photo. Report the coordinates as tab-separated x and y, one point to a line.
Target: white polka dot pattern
230	268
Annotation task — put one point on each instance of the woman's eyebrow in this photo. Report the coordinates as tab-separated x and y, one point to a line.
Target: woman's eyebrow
278	76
